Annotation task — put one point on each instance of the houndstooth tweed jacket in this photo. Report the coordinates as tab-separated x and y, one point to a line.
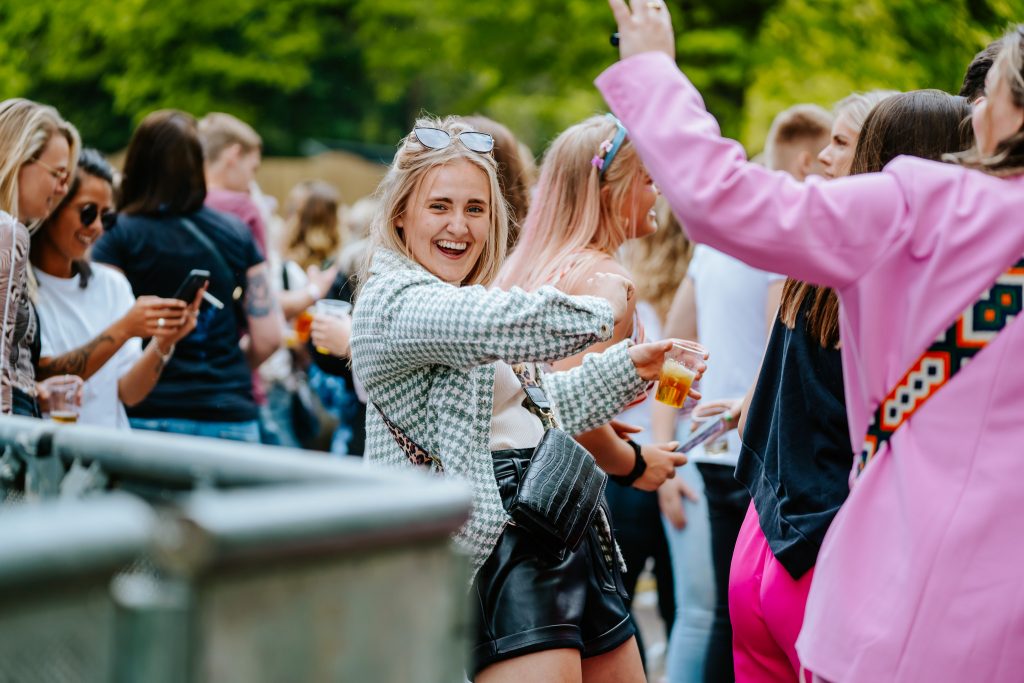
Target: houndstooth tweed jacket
425	352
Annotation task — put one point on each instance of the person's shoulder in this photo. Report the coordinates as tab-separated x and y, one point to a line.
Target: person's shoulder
224	222
109	276
574	279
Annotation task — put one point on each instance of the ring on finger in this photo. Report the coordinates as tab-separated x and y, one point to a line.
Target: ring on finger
160	322
653	4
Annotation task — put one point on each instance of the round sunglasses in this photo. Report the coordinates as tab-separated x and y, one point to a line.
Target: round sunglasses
88	213
435	138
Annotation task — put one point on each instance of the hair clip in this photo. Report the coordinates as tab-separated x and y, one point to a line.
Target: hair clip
608	148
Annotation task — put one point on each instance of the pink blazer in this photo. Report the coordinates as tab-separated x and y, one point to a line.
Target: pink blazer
920	576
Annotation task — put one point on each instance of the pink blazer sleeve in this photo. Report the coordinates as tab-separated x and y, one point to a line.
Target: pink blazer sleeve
828	233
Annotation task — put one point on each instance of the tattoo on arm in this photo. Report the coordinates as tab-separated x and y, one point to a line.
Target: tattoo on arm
74	362
258	302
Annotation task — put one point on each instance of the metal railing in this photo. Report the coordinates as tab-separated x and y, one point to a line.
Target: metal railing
158	557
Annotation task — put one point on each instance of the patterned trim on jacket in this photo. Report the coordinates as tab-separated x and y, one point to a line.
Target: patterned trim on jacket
425	351
14	243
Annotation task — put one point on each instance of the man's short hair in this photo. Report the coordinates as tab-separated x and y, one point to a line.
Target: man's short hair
974	80
800	123
218	131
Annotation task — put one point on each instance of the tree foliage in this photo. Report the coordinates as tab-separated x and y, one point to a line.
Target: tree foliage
361	70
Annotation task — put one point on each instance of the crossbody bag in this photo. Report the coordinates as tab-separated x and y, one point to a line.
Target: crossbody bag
972	331
236	279
561	490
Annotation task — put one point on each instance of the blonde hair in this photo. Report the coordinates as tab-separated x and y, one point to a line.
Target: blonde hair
1008	158
857	106
575	209
412	163
313	232
25	129
218	131
658	262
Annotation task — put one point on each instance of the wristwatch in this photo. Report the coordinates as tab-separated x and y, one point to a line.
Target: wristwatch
639	467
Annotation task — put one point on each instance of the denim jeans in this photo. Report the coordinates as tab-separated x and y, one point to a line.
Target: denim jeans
339	401
694	578
233	431
276	427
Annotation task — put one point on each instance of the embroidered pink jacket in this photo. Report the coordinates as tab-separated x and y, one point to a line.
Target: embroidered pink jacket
920	576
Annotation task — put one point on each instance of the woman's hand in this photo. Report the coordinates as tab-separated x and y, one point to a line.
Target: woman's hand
644	26
332	333
670	500
615	289
322	279
143	318
662	461
170	335
733	408
649	357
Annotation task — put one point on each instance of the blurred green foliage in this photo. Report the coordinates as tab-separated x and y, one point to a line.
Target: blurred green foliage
361	70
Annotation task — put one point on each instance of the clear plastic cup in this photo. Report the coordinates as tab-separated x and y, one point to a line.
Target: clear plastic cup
333	308
680	368
64	396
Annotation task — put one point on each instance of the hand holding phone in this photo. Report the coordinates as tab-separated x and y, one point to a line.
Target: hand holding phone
709	431
191	285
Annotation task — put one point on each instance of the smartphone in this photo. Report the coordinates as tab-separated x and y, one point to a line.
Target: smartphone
192	283
709	431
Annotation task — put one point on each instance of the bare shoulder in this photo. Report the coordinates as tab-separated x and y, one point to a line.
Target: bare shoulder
575	280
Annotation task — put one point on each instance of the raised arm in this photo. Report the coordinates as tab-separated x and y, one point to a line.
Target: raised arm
436	323
829	233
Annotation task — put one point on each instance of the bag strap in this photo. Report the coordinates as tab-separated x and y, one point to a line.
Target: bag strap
417	454
200	236
976	326
536	400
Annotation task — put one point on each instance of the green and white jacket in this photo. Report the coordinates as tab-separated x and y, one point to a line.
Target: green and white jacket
425	352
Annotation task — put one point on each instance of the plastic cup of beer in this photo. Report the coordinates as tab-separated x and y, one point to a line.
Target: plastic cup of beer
303	321
678	372
333	308
63	391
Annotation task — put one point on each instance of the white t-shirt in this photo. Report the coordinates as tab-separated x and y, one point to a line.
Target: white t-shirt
71	316
731	299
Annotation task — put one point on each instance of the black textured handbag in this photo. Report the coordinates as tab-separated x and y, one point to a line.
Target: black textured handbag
562	488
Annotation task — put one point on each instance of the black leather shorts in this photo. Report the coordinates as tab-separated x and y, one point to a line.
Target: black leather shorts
528	601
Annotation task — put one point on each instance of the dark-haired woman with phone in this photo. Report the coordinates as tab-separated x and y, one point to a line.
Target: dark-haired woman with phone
92	324
163	232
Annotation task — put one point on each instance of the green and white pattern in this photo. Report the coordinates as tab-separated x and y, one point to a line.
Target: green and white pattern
425	352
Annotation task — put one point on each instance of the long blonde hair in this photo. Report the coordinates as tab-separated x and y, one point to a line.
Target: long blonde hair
576	209
25	129
412	163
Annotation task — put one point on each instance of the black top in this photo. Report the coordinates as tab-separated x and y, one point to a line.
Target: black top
208	378
796	458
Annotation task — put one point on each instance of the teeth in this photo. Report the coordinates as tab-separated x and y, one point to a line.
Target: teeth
457	246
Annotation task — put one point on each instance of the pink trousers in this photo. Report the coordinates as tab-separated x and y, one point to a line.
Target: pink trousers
766	607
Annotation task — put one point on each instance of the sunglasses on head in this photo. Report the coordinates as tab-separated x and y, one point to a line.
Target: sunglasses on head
89	212
435	138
